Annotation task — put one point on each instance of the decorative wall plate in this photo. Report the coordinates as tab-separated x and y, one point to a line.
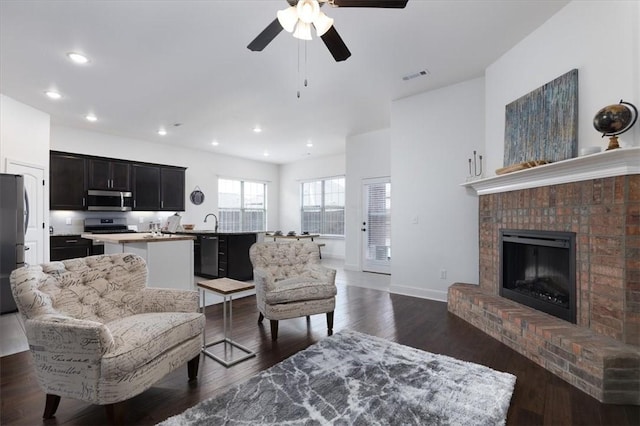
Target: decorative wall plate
197	196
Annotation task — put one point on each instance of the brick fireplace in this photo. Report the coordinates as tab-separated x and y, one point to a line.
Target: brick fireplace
600	354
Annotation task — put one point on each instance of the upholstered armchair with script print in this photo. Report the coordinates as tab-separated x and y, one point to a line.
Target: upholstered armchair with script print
290	282
97	333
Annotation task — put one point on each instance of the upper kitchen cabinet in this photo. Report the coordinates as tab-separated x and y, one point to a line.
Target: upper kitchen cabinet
107	174
158	187
67	183
172	188
146	187
154	187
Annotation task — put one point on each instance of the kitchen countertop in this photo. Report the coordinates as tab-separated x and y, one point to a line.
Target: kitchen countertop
144	237
293	237
211	232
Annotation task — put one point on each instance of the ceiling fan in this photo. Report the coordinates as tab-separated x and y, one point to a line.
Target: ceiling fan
301	15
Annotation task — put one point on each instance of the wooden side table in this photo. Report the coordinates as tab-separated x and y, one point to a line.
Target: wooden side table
225	287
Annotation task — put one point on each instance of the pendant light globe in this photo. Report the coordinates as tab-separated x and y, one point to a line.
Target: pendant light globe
322	24
303	31
288	18
308	10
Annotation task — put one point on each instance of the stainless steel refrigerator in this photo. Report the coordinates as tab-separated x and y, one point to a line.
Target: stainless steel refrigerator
13	217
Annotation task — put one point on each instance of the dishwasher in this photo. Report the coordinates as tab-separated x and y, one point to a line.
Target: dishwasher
209	256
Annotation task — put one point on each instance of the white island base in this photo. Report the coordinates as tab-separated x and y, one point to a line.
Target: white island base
169	258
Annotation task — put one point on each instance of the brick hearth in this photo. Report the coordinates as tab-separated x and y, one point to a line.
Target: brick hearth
601	353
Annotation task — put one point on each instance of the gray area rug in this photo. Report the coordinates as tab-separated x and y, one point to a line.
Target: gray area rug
356	379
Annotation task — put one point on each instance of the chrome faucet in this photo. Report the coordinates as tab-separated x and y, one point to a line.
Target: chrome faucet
216	217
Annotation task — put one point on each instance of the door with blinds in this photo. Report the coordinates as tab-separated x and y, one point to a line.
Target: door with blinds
376	225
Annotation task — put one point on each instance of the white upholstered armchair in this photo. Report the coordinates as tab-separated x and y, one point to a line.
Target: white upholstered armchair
98	334
290	282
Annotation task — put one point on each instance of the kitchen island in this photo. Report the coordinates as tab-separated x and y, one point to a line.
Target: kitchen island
222	254
169	257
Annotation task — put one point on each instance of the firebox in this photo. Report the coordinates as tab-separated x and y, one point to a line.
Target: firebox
538	269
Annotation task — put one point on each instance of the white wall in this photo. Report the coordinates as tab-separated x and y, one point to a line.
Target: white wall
24	138
432	136
367	157
291	176
203	169
24	134
599	38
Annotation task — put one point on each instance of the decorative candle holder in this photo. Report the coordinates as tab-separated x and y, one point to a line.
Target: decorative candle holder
475	167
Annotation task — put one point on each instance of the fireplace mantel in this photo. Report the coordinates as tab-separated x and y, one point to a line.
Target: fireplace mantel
618	162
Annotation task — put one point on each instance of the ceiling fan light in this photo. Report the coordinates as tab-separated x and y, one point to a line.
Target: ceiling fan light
322	24
303	31
288	18
308	10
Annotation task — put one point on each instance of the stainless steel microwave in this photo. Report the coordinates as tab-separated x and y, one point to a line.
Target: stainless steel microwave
98	200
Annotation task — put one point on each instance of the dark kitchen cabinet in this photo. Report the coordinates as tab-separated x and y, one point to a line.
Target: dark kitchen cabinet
158	188
109	174
223	255
197	263
233	256
146	187
69	247
67	181
154	187
172	188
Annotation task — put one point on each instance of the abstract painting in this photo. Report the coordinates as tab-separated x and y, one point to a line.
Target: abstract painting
543	124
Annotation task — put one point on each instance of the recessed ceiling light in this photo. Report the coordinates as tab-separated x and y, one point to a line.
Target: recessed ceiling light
77	58
215	143
53	94
309	144
91	117
257	129
162	132
266	154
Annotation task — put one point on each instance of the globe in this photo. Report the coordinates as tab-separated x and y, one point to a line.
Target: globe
613	120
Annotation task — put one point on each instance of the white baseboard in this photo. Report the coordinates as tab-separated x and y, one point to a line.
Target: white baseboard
437	295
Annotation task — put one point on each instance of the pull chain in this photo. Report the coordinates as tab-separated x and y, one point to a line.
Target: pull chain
305	68
305	64
298	79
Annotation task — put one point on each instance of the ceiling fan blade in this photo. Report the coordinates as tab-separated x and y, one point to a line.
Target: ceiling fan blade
336	46
266	36
393	4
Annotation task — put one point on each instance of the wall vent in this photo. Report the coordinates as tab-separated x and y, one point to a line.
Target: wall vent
420	73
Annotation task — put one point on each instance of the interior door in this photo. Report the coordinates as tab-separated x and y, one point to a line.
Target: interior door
34	239
376	225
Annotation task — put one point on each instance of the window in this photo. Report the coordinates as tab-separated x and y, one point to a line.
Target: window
323	206
242	205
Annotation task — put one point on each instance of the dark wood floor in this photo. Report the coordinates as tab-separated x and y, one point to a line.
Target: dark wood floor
540	398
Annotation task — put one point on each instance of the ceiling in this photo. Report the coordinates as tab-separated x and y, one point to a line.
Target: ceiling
183	65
